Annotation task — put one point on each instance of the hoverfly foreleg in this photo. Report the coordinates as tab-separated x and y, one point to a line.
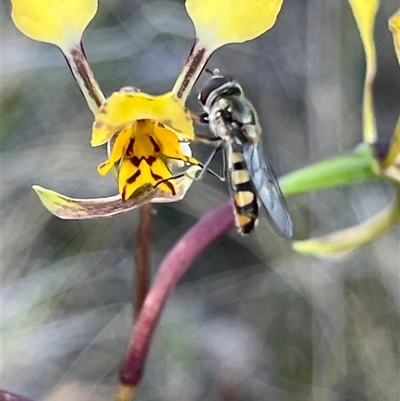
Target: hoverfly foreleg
174	177
205	166
207	139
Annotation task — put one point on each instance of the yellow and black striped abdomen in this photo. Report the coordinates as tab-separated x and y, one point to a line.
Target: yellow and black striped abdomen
243	195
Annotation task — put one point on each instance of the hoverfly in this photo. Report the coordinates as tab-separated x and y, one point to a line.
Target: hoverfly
234	122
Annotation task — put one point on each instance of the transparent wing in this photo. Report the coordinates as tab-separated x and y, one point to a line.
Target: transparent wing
267	188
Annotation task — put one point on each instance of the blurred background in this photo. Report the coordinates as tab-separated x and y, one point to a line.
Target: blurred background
251	320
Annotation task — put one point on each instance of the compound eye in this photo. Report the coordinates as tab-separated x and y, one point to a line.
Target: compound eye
210	86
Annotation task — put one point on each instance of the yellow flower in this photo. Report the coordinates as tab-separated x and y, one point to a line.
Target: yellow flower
148	132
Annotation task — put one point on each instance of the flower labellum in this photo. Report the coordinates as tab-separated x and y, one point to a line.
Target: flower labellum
149	131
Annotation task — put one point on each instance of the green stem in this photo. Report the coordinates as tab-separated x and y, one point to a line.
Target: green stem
344	170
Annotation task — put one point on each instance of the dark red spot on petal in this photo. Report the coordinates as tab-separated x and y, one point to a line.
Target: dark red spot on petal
150	160
129	149
135	160
165	181
156	176
155	145
171	187
133	178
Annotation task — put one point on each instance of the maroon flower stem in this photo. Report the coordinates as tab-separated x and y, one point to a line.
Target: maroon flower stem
142	257
175	264
7	396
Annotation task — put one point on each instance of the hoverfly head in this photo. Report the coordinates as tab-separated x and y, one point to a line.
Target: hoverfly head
218	86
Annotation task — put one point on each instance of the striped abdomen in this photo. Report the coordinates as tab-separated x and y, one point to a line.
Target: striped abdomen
244	198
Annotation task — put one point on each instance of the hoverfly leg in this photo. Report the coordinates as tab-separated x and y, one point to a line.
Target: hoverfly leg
174	177
207	139
205	166
216	175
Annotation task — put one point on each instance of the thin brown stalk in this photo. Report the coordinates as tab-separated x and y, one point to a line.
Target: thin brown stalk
142	257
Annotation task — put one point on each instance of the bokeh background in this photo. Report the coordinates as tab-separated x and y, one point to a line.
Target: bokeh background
251	320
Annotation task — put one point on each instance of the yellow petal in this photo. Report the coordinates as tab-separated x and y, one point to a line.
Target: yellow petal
142	165
131	178
364	13
124	108
170	146
68	208
219	22
342	242
144	147
118	150
394	26
160	171
59	22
